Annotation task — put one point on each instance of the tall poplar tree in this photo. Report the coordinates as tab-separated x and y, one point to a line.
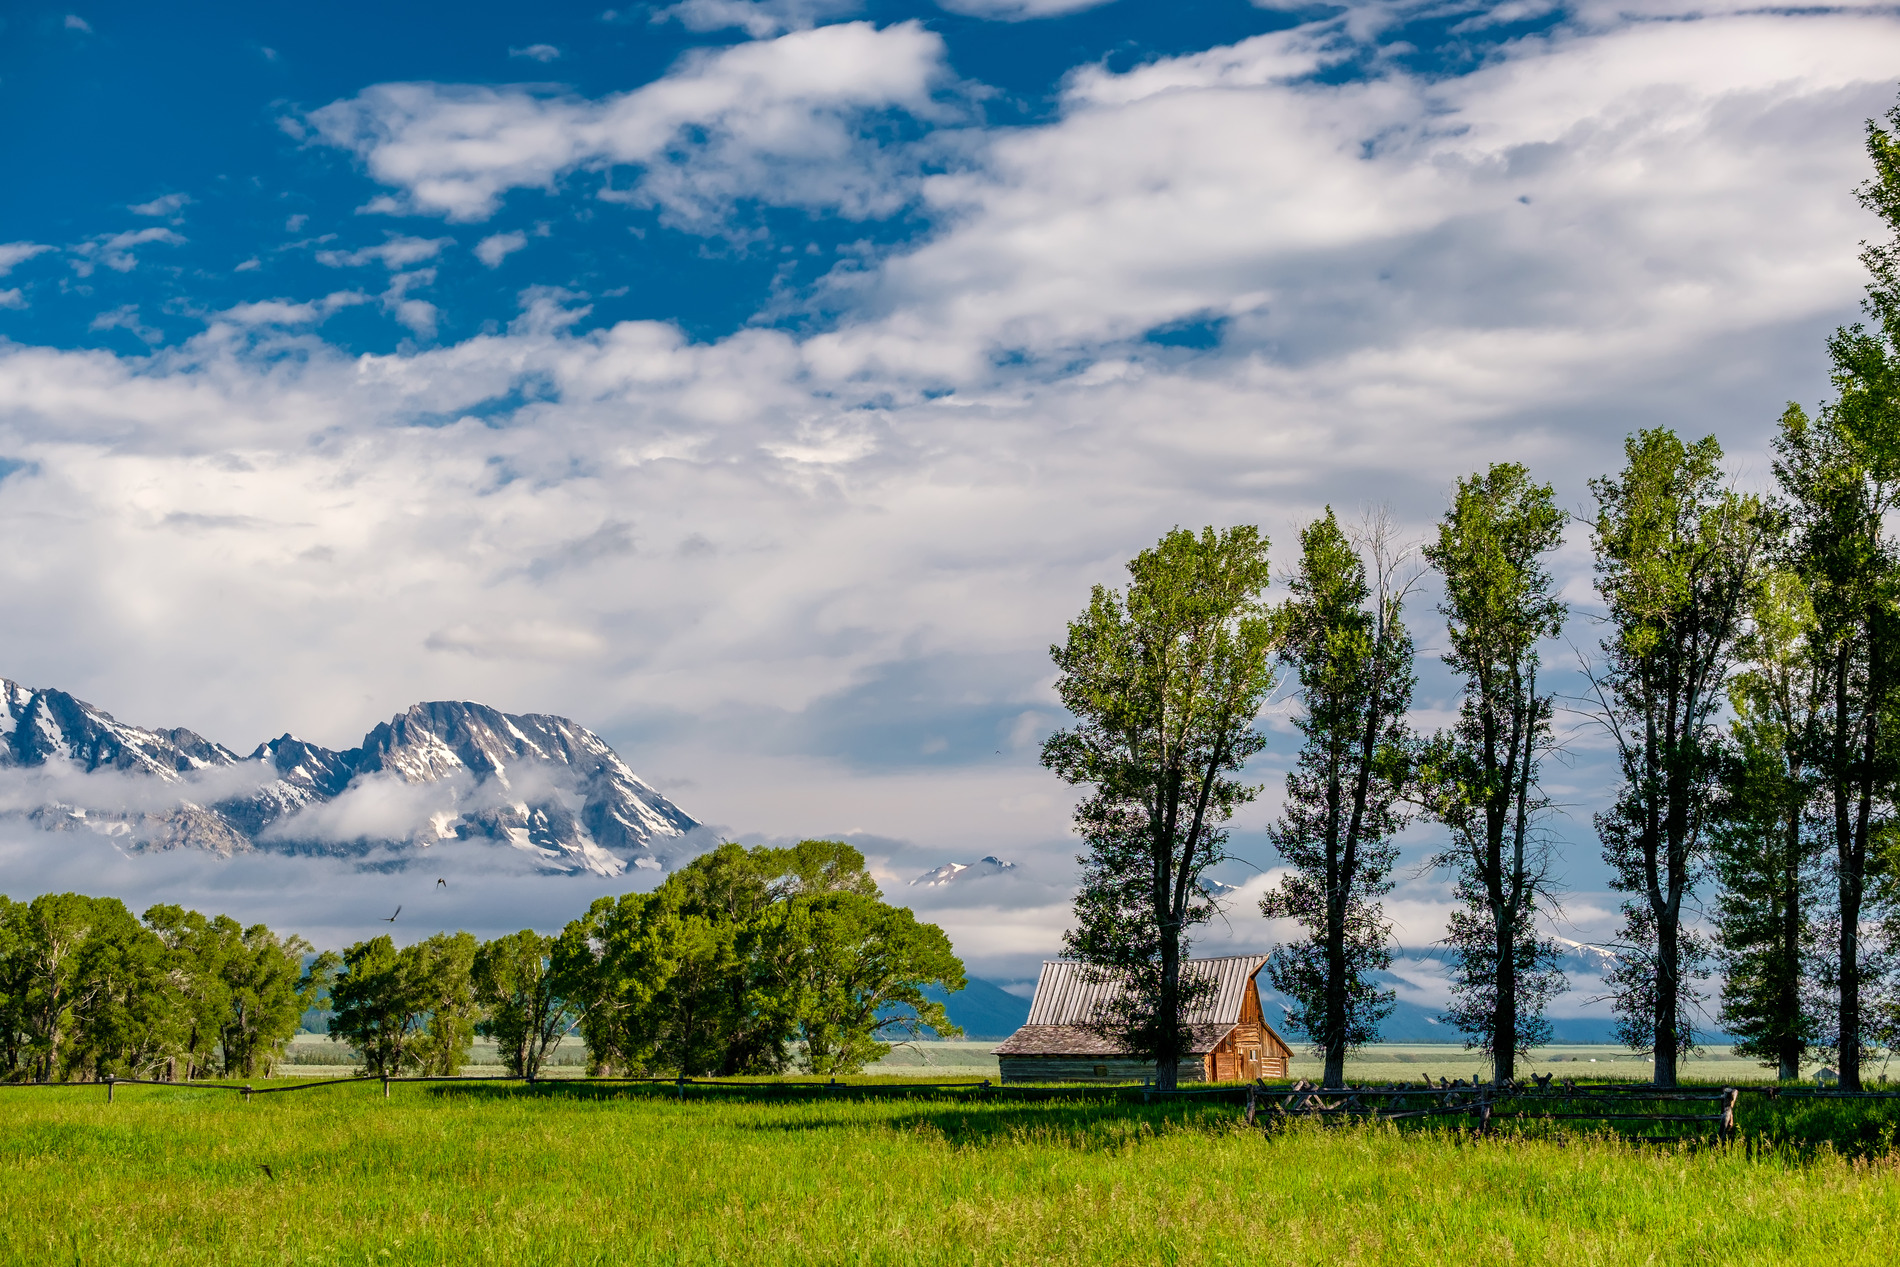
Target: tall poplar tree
1480	778
1346	641
1164	683
1676	553
1768	842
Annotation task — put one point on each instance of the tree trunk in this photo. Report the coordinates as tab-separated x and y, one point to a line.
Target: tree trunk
1168	1055
1335	1071
1789	1003
1668	975
1850	981
1504	1017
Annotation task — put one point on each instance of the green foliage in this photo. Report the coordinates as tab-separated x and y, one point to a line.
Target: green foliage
238	992
1676	568
1837	475
860	969
87	991
741	954
530	1007
1480	778
1164	684
1768	852
1352	653
408	1009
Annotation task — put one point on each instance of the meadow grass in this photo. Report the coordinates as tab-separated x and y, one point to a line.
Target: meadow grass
573	1175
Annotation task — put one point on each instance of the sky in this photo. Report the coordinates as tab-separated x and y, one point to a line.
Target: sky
764	383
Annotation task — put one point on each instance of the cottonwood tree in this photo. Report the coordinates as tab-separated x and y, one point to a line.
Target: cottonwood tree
197	948
1346	640
528	1004
1676	560
1480	778
1164	683
861	970
270	990
408	1008
743	953
1768	844
88	991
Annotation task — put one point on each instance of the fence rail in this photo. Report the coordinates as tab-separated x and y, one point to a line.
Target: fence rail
1490	1106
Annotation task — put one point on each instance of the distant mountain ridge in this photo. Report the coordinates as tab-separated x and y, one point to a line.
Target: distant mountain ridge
538	783
951	872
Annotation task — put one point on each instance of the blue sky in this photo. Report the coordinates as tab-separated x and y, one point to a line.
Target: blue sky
763	383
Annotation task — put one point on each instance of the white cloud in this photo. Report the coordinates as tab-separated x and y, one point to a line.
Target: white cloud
537	52
12	298
398	252
777	119
76	23
126	318
1019	10
496	247
282	312
13	253
115	250
331	901
166	205
518	640
760	19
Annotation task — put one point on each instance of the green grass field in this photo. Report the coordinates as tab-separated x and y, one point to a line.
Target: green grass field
571	1175
313	1056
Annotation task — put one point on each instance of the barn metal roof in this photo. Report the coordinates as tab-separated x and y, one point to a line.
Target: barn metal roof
1069	993
1074	1040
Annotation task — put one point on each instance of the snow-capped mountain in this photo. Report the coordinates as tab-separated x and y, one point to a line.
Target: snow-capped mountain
951	872
1579	956
439	771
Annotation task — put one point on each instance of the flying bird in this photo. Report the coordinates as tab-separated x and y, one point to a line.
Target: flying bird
440	883
392	918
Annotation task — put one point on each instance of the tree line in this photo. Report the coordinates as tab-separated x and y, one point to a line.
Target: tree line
744	961
1747	678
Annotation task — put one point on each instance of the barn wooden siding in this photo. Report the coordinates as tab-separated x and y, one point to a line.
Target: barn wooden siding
1112	1069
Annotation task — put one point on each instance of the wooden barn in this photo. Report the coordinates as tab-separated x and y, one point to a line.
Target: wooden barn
1232	1040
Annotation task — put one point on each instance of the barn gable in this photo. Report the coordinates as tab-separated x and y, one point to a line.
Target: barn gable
1230	1037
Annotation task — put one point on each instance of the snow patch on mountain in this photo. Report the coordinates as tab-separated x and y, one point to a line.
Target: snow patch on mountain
952	872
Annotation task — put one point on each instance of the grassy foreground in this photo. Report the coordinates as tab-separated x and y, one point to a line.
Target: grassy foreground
581	1175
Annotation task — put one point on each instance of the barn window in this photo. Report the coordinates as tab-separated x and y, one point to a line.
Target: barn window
1101	1071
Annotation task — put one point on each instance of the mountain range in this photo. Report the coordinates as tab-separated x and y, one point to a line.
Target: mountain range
439	771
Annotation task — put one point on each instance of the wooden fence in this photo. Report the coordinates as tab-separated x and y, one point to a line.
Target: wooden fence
1486	1109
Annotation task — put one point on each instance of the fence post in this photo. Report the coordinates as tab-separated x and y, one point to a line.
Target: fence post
1484	1111
1729	1096
247	1095
1253	1093
385	1086
111	1082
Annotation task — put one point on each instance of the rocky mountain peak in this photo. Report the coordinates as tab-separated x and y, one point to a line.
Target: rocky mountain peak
538	783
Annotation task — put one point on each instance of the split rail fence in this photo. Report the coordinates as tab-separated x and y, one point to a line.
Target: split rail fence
1487	1110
